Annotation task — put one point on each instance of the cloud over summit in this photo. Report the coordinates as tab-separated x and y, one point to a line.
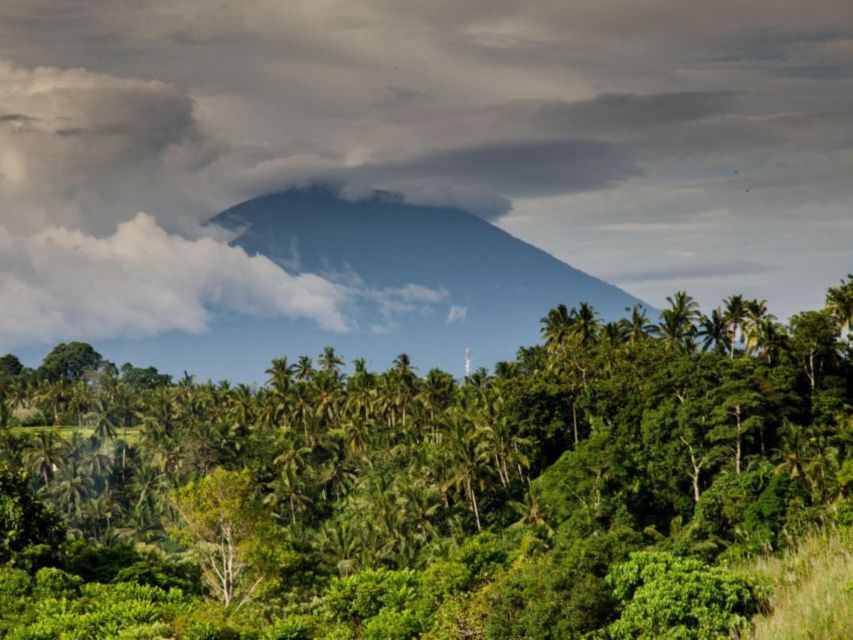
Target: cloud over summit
561	122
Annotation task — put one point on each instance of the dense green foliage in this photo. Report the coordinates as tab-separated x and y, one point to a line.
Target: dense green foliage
609	483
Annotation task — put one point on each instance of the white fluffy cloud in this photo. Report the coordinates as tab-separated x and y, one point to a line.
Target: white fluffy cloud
139	281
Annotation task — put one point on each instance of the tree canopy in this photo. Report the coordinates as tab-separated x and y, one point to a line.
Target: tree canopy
606	483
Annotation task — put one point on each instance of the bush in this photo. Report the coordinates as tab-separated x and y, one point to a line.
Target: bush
98	564
24	520
55	583
663	596
359	597
721	510
15	585
60	607
291	628
559	595
14	582
27	417
390	624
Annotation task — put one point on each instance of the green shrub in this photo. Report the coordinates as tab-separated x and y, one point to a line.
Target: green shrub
55	583
663	596
27	417
98	564
24	520
361	596
14	582
292	628
390	624
559	595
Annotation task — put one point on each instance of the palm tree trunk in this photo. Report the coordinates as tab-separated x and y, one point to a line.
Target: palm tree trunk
575	422
738	443
473	496
811	369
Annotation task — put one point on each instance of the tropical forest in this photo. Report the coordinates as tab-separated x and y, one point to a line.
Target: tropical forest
682	474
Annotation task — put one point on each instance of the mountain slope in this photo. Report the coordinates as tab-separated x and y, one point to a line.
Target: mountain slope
394	244
426	281
500	284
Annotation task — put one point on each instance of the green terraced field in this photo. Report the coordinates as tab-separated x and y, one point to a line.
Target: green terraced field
66	431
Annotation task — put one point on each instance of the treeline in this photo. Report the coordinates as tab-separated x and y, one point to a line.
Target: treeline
603	484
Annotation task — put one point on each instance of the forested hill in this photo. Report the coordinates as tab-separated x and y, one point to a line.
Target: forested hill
682	477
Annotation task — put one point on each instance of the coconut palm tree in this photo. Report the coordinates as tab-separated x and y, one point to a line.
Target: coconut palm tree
103	419
734	312
304	369
794	449
713	332
79	400
46	455
72	490
756	321
337	544
677	326
289	488
556	327
638	327
467	452
280	373
586	323
839	302
506	448
330	362
96	462
241	405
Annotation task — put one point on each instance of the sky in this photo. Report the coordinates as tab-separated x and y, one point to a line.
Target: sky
662	145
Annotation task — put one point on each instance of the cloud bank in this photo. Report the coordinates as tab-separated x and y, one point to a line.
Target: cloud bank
77	148
141	281
610	133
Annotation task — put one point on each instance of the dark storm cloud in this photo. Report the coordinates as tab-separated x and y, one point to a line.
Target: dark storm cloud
544	156
520	168
614	111
17	118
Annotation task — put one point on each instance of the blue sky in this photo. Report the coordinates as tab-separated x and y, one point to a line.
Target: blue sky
660	146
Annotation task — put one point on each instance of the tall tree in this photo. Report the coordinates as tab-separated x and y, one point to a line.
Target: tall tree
713	332
839	302
68	362
222	518
556	327
677	323
734	312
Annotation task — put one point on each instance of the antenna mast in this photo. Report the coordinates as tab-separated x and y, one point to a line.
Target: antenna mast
467	363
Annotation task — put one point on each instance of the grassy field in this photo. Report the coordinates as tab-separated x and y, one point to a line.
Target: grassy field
66	431
812	590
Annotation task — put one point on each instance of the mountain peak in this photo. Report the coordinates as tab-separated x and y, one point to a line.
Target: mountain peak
490	288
